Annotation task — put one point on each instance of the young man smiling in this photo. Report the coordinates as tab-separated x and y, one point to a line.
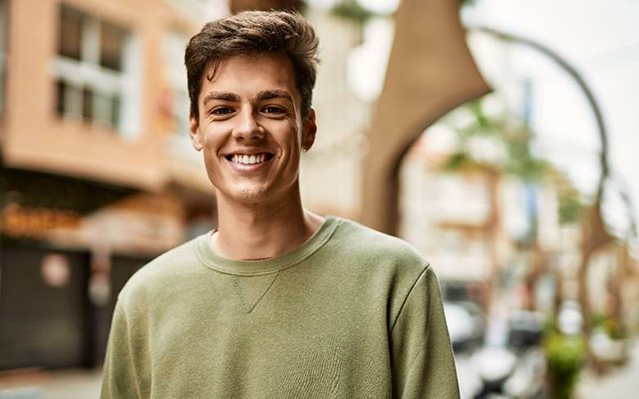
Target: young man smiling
277	302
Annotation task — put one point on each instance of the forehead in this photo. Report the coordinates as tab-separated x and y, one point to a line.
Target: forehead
244	74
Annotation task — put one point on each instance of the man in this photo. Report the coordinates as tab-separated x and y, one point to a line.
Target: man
277	302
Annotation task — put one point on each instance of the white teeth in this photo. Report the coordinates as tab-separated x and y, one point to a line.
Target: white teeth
249	159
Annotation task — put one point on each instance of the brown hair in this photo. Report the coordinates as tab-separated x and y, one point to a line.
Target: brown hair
254	32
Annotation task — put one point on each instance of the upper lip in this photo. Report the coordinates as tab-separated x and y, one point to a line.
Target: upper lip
247	151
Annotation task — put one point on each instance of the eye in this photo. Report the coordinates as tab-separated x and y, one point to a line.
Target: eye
221	111
273	110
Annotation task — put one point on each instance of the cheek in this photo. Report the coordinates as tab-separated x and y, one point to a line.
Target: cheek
211	151
212	139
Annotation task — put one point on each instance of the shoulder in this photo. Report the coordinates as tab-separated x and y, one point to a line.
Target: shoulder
374	258
364	243
160	274
377	265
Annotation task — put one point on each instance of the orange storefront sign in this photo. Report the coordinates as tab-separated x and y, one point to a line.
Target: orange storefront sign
19	221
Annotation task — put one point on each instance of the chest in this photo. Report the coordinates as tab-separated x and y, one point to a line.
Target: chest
271	336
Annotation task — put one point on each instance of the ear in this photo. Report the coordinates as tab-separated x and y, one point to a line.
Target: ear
194	132
308	131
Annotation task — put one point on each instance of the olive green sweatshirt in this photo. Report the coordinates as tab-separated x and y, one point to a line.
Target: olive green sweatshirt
352	313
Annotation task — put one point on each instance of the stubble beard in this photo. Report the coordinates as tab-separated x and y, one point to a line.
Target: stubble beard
259	194
249	193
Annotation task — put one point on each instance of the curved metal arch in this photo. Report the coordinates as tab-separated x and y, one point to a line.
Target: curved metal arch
577	78
592	102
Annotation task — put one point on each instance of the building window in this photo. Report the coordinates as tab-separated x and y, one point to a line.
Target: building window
178	97
97	72
3	51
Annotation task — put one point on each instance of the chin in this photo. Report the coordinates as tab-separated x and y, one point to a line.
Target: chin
249	195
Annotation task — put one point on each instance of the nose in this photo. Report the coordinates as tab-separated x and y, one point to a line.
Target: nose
248	127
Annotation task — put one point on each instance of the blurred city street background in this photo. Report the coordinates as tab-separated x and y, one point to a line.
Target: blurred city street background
498	137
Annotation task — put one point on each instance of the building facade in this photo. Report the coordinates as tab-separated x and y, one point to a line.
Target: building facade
97	173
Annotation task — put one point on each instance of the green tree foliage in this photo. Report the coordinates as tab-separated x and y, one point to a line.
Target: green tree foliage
517	156
512	137
571	207
352	11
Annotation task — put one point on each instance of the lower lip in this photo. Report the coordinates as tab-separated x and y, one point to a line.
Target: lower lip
248	168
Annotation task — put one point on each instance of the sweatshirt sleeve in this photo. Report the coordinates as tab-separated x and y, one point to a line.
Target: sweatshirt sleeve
119	376
423	362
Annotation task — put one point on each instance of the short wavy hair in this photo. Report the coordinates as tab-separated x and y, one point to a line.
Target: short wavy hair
255	32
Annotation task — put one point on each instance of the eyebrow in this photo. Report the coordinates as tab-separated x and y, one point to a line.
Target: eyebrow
269	94
260	96
220	95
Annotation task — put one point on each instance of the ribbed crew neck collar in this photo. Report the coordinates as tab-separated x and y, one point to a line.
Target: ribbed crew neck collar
213	261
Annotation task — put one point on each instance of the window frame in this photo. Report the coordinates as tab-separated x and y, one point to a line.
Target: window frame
3	53
88	73
176	80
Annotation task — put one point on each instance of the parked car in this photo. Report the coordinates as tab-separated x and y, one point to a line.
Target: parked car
465	325
513	367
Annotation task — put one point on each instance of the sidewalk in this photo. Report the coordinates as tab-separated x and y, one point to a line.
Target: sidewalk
621	383
63	384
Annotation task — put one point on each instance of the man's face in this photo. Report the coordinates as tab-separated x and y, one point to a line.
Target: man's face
250	128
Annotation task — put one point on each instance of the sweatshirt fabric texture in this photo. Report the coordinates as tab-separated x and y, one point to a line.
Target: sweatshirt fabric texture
352	313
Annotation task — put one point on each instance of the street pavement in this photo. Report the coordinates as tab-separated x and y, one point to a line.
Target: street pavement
63	384
620	383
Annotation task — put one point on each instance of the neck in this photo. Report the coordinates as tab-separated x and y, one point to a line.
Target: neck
249	231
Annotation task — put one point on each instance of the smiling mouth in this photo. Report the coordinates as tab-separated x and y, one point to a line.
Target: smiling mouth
252	159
